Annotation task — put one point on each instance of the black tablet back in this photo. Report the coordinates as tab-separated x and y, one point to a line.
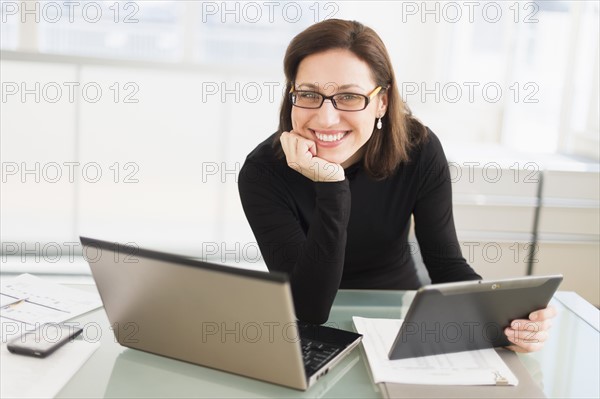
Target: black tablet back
455	317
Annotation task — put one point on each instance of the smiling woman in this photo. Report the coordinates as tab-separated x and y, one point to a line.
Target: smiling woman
330	196
336	57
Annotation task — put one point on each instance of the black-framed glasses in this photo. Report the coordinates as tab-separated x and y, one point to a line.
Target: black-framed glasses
342	101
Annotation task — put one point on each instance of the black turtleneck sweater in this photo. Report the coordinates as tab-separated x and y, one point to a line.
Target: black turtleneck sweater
353	233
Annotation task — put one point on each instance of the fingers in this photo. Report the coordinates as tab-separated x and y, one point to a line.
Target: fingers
531	325
288	143
296	147
312	147
531	335
305	148
301	155
543	314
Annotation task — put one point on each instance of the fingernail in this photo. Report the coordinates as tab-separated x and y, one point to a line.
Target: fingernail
533	316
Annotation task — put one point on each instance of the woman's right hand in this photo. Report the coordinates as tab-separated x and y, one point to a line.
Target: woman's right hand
301	155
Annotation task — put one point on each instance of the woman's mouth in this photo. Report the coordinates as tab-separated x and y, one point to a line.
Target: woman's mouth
330	137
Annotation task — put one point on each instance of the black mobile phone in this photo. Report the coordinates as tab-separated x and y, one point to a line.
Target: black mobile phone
44	340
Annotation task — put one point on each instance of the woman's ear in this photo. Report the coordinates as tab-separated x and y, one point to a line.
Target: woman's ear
383	103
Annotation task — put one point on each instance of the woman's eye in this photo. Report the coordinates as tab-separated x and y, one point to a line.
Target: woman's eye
348	98
308	96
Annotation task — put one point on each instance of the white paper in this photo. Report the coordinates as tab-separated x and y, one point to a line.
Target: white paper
480	367
31	377
46	302
50	295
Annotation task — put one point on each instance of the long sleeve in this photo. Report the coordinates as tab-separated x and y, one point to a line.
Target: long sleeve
434	222
354	233
312	251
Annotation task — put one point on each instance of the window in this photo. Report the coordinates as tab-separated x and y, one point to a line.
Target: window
9	28
581	120
250	33
145	30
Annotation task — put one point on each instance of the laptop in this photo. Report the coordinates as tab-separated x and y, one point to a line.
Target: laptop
461	316
236	320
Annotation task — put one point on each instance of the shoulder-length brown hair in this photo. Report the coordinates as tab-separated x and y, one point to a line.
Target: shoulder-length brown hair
387	147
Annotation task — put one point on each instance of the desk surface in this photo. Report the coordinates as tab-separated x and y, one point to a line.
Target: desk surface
567	367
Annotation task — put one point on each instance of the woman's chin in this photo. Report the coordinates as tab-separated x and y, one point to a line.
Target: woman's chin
333	158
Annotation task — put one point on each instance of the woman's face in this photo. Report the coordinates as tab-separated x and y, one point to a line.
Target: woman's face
339	135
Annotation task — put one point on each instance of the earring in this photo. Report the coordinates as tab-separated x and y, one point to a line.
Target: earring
379	124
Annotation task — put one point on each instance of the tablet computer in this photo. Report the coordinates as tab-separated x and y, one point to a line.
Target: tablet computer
455	317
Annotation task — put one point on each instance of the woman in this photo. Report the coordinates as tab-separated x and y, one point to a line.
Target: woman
330	196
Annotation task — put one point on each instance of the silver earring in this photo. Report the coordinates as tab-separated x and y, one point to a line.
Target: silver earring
379	124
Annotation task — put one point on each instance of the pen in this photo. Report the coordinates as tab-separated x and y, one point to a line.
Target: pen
11	305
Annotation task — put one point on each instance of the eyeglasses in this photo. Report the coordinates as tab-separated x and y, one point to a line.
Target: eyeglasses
342	101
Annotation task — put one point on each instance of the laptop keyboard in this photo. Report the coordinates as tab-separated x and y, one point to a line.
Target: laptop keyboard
316	354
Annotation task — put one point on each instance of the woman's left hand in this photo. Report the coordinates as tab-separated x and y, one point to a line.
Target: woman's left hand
529	335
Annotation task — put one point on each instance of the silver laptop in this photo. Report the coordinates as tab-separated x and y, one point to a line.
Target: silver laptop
236	320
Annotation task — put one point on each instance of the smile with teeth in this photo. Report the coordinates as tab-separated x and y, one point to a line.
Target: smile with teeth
330	137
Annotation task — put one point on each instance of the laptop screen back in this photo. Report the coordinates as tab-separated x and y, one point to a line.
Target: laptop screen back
236	320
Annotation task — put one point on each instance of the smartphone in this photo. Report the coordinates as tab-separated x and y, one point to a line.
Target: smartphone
44	340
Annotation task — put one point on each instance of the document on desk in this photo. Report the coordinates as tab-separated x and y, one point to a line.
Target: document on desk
29	301
479	367
6	300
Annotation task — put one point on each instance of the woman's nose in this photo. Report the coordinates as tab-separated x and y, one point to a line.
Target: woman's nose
328	115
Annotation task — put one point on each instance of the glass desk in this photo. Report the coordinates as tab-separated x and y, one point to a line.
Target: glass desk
568	366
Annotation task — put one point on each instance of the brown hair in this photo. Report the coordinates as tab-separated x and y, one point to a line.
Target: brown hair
387	147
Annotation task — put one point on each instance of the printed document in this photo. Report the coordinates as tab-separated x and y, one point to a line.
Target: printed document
478	367
29	301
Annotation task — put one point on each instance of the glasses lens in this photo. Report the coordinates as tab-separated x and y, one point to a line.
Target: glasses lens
307	99
342	101
350	101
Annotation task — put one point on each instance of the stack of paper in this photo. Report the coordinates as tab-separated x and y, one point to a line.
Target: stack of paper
480	367
28	302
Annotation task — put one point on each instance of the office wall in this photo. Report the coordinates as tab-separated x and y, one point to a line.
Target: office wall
569	237
160	170
37	134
